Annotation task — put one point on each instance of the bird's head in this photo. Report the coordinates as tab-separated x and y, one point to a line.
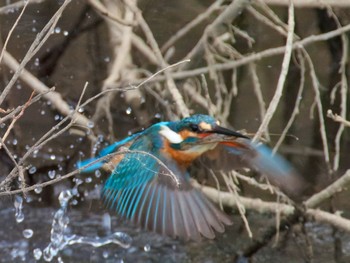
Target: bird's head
186	135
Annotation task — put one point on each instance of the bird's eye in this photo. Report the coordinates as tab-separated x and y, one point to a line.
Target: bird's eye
194	127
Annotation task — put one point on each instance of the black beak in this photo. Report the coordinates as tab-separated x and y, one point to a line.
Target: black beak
221	130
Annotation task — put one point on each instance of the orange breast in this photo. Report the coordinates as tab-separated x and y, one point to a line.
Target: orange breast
182	158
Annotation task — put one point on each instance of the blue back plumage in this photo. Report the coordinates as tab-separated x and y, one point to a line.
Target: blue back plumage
93	163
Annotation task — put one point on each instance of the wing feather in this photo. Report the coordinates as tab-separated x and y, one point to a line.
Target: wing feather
143	191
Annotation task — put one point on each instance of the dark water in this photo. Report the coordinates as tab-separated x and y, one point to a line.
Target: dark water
149	247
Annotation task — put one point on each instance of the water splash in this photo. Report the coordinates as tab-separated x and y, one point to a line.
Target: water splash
19	206
20	251
61	238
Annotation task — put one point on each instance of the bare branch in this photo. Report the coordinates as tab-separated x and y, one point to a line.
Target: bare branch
310	3
282	78
34	48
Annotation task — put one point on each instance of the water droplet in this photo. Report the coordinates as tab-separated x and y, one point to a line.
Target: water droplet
57	117
32	170
42	112
18	207
107	59
36	62
91	124
37	253
52	157
28	233
51	174
29	199
105	254
65	33
64	197
57	30
35	153
14	142
157	115
106	222
88	180
128	110
78	181
34	29
38	189
147	248
98	173
81	110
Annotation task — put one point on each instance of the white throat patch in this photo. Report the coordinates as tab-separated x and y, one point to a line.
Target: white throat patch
170	135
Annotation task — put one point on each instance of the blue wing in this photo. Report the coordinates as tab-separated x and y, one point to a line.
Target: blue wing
146	193
244	152
92	164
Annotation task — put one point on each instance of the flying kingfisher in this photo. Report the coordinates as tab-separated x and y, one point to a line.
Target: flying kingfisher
150	184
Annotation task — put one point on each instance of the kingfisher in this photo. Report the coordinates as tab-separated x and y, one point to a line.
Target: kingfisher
150	184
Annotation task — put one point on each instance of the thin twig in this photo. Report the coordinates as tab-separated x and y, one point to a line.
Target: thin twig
11	114
282	78
16	118
219	25
34	48
8	8
343	94
316	87
104	12
296	105
11	30
181	106
337	118
193	23
336	187
57	102
310	3
257	56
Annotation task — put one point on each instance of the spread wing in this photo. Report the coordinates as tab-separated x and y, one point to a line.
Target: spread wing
159	197
92	164
244	153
